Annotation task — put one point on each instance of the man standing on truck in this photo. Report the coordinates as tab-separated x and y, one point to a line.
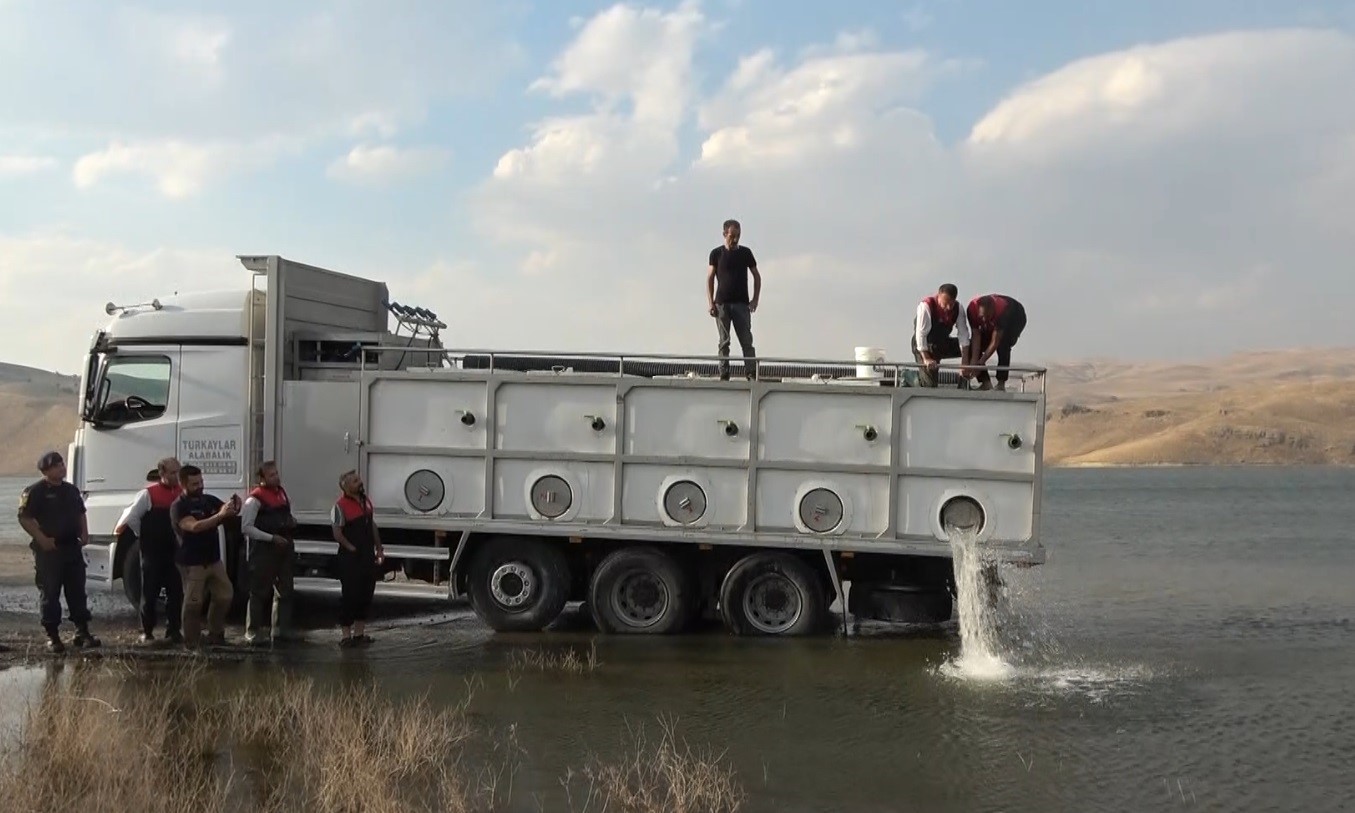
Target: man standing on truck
52	513
996	321
267	522
360	552
148	518
197	517
937	317
728	302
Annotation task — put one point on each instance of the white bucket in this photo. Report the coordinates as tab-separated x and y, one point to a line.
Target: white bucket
866	359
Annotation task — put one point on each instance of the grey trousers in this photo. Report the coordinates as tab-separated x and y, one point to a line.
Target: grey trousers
737	315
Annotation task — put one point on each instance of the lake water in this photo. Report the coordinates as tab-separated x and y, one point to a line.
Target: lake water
1189	645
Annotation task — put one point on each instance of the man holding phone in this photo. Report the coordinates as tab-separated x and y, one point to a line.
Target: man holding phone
197	518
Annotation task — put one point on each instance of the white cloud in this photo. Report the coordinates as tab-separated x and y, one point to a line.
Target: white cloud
640	56
15	165
1255	82
1128	199
79	276
383	163
180	169
186	99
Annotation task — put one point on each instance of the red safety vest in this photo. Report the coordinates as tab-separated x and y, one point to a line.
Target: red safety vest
275	509
357	522
162	496
994	316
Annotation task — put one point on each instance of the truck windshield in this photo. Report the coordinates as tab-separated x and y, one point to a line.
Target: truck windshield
128	389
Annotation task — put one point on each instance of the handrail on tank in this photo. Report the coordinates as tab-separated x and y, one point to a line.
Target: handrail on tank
1023	374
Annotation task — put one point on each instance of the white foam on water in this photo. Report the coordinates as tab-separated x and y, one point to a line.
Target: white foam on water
980	655
984	657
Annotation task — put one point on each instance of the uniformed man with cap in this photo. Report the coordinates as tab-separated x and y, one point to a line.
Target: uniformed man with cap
52	512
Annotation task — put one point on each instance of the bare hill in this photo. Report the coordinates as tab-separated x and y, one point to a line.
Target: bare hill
1280	407
1284	407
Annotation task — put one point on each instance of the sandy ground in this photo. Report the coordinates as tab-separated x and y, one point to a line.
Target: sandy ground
118	626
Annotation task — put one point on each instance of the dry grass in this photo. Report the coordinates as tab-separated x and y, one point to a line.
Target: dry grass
569	660
173	739
654	777
164	742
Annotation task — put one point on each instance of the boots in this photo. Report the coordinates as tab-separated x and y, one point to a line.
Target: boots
54	644
85	639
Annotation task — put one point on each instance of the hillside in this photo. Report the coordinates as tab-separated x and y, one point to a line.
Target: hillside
1281	407
1285	407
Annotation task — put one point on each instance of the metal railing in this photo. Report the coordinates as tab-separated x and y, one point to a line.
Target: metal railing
655	365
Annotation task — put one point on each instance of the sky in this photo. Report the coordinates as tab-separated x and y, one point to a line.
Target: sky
1153	180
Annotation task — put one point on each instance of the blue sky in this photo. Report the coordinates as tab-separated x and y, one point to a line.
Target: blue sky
1145	175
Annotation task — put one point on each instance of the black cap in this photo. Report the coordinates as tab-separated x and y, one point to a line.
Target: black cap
48	460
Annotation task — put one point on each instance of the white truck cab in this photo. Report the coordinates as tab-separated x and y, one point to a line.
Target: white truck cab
640	484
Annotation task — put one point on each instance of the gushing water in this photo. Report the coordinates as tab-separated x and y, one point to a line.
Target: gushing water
980	655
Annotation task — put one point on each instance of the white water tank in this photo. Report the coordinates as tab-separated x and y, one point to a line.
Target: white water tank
866	359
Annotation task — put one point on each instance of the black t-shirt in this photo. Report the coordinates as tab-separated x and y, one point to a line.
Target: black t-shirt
201	548
56	508
731	274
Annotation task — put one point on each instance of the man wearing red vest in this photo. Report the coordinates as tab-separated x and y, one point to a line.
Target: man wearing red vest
937	318
996	321
148	518
360	555
266	521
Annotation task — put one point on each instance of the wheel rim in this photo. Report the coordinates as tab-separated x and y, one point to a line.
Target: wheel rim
512	585
640	599
773	603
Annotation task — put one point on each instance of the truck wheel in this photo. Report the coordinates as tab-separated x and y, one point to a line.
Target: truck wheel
772	594
518	584
131	574
640	591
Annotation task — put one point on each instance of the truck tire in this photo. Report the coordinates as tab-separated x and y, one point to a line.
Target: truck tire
640	591
900	604
518	584
131	575
772	593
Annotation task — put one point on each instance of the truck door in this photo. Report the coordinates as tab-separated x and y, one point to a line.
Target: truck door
319	442
213	416
131	423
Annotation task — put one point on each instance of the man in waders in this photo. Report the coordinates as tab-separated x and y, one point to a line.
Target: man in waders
52	512
267	522
197	517
148	518
359	556
937	317
996	322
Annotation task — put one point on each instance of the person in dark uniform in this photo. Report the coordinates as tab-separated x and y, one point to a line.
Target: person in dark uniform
52	512
359	556
729	303
996	321
148	518
938	316
267	522
196	517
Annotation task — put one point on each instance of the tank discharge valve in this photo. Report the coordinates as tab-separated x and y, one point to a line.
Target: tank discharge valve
1014	441
868	432
731	427
467	417
597	422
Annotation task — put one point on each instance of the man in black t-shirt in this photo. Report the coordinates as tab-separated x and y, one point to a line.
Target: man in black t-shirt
197	516
729	303
52	512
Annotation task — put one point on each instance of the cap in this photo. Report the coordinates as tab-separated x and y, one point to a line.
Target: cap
48	460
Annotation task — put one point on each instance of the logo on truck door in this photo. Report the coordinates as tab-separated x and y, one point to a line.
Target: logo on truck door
214	449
